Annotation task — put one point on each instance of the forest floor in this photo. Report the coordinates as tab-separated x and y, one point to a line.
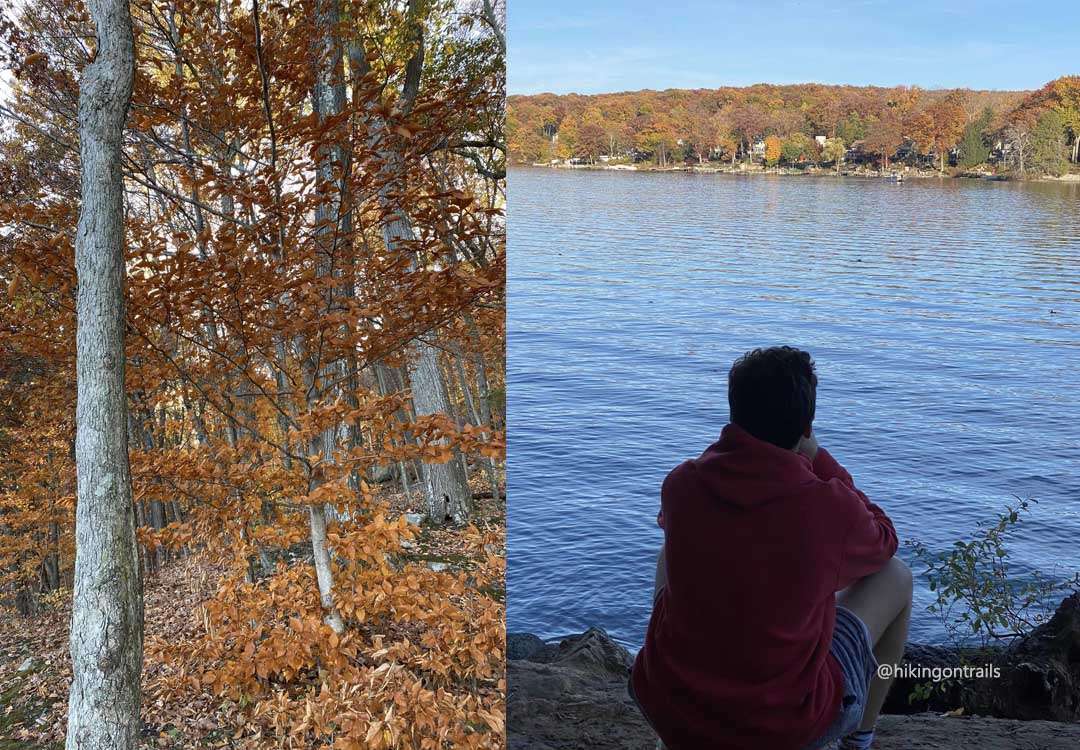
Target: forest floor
35	667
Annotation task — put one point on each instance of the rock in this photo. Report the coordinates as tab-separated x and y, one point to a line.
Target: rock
27	665
572	695
438	567
414	518
1039	674
593	651
406	544
522	645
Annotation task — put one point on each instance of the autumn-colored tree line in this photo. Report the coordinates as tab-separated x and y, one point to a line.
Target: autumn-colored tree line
313	238
805	124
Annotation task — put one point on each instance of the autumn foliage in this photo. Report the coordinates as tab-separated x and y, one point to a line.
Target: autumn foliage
293	261
721	124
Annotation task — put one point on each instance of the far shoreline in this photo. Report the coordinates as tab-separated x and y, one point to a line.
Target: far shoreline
906	173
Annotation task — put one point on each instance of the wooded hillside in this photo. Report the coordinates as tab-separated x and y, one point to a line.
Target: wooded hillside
805	123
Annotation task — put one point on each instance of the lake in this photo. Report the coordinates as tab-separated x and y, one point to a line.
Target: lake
943	317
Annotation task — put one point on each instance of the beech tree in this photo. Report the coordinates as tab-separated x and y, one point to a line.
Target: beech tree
107	612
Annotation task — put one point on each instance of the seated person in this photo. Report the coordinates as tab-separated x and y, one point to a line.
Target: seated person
777	590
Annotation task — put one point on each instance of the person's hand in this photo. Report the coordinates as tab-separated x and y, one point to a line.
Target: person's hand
808	446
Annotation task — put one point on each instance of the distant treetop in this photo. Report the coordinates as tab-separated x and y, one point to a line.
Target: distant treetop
723	123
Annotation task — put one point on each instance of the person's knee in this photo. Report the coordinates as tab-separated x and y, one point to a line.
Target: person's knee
902	578
880	598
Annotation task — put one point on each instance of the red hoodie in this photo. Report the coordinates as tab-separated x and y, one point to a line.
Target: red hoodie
757	542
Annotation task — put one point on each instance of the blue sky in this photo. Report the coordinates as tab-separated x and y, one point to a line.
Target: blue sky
592	46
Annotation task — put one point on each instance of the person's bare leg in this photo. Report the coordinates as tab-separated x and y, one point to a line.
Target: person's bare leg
660	579
888	650
882	600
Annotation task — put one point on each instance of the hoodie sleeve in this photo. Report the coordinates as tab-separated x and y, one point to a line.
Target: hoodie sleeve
871	540
665	487
826	467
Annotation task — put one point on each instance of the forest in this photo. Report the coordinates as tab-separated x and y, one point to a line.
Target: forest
292	373
1023	132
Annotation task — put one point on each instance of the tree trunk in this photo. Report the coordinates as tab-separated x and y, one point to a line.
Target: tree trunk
323	571
144	556
52	560
107	610
446	489
143	425
329	101
484	401
382	382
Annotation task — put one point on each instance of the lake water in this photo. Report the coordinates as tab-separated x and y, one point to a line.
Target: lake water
944	317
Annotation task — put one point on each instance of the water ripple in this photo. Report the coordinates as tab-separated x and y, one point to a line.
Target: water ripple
947	384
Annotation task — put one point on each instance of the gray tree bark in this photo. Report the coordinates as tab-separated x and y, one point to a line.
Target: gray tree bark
52	560
446	488
383	379
329	101
107	612
480	417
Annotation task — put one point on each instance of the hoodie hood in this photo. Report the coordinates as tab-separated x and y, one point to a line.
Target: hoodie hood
743	471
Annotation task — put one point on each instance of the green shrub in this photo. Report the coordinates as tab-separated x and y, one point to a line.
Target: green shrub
976	595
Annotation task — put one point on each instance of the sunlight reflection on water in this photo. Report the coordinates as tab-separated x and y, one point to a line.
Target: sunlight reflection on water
946	381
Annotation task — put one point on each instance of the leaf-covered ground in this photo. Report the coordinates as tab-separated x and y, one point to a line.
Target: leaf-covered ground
35	666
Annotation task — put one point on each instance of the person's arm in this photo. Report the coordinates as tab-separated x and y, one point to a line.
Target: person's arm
871	539
826	467
660	578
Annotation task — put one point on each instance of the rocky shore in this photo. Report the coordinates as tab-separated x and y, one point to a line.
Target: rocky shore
572	694
861	171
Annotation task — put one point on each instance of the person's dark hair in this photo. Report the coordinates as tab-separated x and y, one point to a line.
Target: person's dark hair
772	394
